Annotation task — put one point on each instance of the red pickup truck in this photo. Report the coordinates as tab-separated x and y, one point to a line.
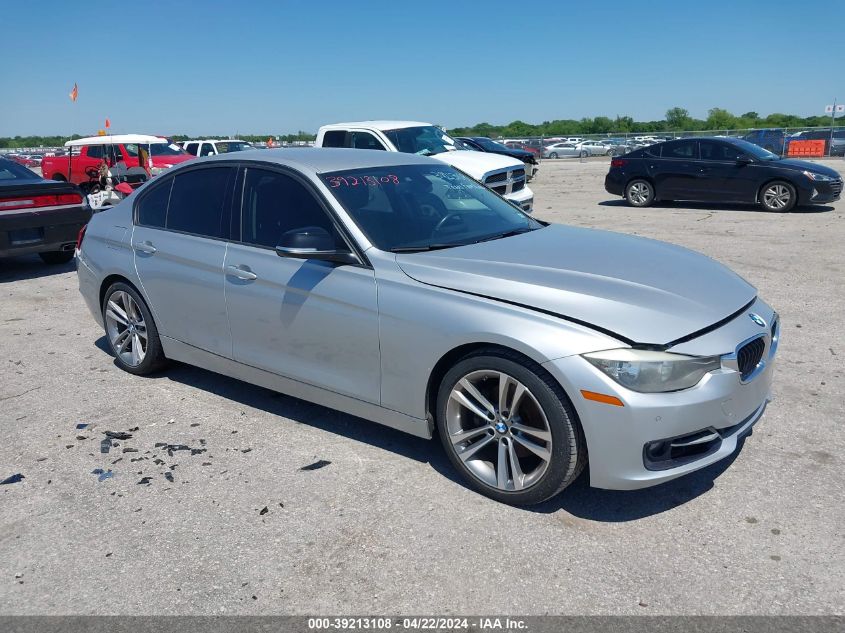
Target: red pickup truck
86	155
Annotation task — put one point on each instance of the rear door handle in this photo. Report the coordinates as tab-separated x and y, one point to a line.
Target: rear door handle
241	273
145	247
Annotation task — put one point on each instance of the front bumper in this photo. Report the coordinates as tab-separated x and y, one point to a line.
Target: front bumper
524	198
821	192
41	231
721	405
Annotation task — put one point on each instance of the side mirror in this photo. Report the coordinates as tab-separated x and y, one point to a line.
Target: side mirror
743	159
313	242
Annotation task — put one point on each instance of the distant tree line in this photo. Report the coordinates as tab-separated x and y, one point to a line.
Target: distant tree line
676	120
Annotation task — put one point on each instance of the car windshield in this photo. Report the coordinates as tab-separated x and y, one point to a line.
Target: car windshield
10	170
754	150
488	144
424	207
156	149
426	140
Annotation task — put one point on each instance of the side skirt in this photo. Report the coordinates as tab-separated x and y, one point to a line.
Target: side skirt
176	350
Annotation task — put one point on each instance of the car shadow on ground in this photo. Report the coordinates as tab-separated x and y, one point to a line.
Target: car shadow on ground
593	504
718	206
30	267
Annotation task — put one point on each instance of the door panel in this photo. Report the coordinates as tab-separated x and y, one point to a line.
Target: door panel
182	276
304	319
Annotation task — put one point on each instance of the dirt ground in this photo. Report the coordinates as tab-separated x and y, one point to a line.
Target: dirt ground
237	526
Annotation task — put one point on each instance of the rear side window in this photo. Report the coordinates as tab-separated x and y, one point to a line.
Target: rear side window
197	201
191	148
682	149
152	209
653	150
334	138
94	151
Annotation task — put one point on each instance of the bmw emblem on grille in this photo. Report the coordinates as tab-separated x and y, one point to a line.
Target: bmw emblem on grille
757	319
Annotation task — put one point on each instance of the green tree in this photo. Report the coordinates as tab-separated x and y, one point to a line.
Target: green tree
677	119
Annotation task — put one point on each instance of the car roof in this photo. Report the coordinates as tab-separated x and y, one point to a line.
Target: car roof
116	139
321	160
215	140
377	125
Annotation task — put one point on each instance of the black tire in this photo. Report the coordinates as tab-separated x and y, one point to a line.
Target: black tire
59	178
639	193
568	449
611	153
553	155
782	203
582	154
53	258
154	358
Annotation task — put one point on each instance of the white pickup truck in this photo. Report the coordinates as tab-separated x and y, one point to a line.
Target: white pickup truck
502	174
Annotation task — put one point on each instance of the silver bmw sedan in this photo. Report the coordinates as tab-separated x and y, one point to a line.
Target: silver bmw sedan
395	288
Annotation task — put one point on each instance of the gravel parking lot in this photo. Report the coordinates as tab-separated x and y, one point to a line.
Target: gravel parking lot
379	524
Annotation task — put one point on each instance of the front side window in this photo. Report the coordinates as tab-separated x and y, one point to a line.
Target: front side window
682	149
197	201
426	140
207	150
424	207
365	140
274	204
191	148
95	151
711	150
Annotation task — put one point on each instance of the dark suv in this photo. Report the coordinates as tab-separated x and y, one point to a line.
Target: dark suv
773	140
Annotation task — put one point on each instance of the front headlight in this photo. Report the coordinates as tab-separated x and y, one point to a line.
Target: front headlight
817	177
653	372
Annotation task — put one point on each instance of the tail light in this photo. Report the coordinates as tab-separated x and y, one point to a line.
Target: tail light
81	236
38	202
618	162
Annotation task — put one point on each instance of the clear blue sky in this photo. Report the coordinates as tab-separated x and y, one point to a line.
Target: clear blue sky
232	66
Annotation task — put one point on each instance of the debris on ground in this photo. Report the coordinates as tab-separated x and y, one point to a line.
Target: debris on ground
316	465
169	476
264	511
102	475
130	450
12	480
118	435
82	425
105	446
145	481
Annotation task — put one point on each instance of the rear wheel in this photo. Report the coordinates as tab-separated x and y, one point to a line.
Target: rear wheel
778	196
56	257
582	153
508	428
132	334
639	193
553	155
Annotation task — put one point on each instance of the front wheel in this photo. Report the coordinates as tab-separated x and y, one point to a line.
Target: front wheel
132	334
582	154
508	428
54	258
778	196
639	193
553	155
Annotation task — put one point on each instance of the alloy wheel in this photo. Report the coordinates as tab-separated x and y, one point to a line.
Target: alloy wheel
639	193
777	196
498	429
126	328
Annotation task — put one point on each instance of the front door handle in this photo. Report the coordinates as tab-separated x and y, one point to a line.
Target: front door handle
241	273
145	247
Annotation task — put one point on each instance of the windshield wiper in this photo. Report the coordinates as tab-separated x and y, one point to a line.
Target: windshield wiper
426	247
499	236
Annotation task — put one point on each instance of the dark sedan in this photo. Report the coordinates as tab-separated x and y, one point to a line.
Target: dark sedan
39	216
720	170
484	144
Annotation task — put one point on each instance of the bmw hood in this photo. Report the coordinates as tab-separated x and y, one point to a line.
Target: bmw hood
639	289
477	164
